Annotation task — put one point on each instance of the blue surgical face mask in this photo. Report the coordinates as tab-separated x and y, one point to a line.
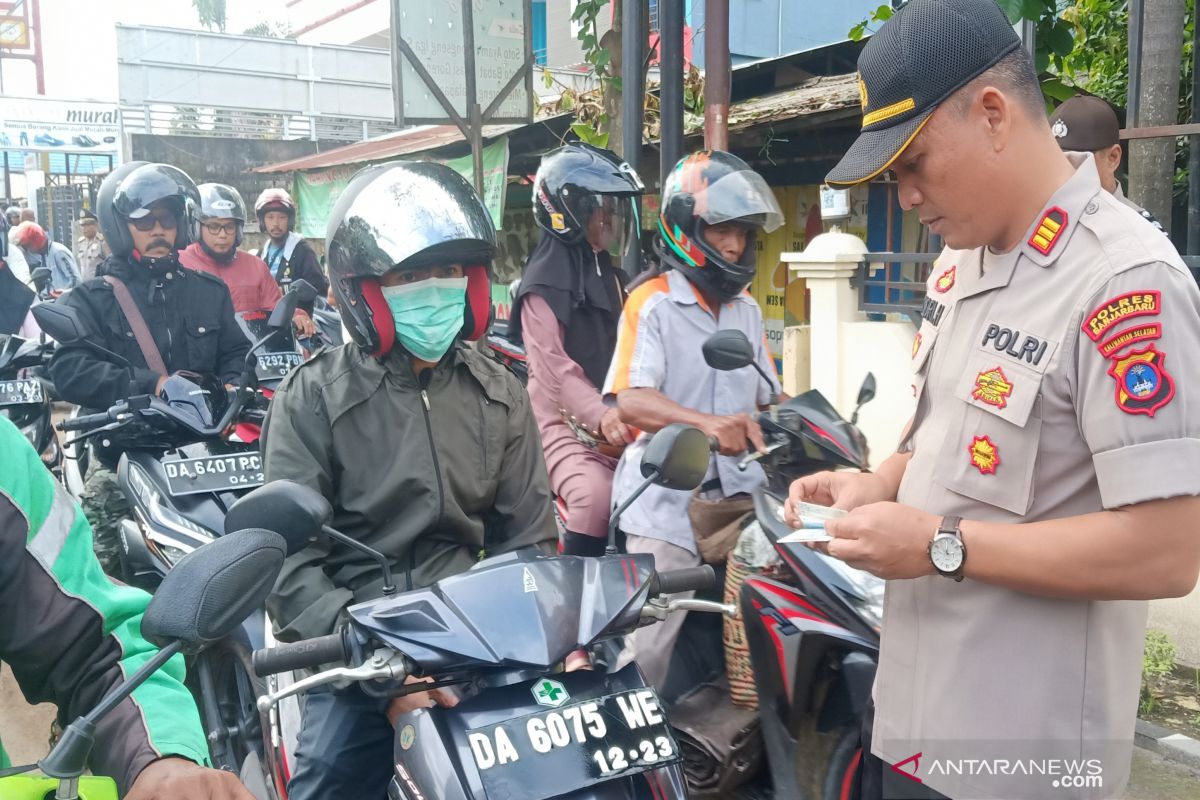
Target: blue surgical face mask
428	314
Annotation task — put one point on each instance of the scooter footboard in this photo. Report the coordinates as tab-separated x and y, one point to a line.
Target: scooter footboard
583	735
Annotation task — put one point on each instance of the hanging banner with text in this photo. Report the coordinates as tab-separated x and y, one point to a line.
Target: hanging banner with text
317	192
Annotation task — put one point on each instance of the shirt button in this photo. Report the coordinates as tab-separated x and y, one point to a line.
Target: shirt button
200	330
1092	207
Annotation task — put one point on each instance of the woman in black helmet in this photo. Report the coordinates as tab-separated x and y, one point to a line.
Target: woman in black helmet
425	447
565	314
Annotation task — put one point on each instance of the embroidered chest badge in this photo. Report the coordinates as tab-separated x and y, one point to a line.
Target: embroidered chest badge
945	281
993	387
984	455
1049	230
1143	384
916	345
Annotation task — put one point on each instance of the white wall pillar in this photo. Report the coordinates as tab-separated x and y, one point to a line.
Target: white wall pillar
827	265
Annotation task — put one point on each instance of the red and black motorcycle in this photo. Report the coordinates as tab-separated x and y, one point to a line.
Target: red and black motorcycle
813	632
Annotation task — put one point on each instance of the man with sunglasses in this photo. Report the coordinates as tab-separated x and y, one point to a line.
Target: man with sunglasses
147	214
222	216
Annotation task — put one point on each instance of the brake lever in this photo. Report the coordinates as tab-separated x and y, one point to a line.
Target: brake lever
656	609
384	664
759	454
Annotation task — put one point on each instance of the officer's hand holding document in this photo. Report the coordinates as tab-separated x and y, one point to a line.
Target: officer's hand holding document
812	523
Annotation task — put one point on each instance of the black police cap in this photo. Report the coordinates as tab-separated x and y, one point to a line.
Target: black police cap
928	50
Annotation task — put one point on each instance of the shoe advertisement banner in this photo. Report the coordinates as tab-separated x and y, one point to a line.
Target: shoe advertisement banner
65	126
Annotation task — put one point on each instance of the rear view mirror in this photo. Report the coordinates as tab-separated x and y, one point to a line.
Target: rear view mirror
867	393
728	350
677	457
299	293
292	510
60	322
40	278
213	588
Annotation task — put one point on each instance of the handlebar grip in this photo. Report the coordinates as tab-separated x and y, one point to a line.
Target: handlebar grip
309	653
84	422
691	579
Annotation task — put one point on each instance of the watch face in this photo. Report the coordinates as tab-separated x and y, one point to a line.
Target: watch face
946	553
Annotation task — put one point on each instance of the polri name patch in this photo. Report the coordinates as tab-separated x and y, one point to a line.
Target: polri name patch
1127	306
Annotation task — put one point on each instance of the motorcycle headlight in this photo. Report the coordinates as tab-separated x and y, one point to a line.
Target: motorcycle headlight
868	588
170	548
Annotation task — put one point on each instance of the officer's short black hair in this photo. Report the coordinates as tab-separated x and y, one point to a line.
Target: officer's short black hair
1014	75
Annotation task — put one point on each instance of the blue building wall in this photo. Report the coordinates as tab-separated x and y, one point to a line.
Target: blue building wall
770	28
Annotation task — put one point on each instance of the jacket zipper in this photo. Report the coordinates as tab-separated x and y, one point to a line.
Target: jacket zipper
437	470
161	290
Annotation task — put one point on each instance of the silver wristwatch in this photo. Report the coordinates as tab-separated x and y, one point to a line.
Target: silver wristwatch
946	550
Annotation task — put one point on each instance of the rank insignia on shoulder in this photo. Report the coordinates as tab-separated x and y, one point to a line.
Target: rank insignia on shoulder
1143	303
916	345
1143	384
945	281
1048	230
1140	333
993	387
984	455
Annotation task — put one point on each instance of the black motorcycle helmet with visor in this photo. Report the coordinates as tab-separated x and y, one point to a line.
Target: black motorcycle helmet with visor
129	191
575	181
406	215
706	189
221	202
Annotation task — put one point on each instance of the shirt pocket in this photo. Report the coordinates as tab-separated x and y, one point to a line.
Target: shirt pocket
203	336
990	455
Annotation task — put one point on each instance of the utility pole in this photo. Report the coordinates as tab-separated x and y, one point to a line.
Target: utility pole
716	74
633	93
671	88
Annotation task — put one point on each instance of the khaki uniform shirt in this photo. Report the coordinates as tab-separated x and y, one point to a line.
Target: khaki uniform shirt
90	253
1052	381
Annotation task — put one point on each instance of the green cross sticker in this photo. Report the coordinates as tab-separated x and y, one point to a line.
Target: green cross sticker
550	693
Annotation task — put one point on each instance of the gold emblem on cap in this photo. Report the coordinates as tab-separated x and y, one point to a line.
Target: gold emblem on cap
862	92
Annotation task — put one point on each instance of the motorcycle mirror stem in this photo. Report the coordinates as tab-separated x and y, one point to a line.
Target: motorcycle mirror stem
389	585
614	521
68	760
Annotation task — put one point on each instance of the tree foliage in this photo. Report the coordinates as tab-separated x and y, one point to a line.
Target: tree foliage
211	13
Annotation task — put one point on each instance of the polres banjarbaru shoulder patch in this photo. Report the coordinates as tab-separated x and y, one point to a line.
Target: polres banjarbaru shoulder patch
1146	302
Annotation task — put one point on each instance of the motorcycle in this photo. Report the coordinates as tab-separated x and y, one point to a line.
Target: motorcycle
182	475
523	727
224	581
813	638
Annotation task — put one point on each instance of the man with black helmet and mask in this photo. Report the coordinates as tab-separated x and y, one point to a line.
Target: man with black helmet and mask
565	314
713	208
147	214
426	448
222	216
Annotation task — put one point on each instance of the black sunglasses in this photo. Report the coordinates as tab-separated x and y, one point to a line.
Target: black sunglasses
147	223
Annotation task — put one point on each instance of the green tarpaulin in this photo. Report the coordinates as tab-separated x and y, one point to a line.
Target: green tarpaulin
317	192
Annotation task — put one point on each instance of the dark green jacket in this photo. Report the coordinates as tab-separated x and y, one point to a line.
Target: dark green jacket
430	476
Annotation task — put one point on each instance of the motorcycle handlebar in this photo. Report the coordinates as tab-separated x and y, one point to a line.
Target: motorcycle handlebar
691	579
305	654
85	422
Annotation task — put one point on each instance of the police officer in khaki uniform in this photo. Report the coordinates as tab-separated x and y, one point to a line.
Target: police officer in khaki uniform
1086	124
1046	487
90	248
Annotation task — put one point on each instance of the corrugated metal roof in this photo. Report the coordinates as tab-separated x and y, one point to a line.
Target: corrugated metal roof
394	145
814	96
